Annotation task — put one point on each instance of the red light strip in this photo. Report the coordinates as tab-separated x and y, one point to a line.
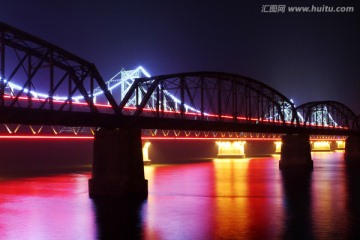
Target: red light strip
156	138
46	137
175	112
232	139
209	138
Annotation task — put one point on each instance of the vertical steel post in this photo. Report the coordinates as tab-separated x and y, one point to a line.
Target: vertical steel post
157	101
2	67
51	92
282	115
250	105
92	107
202	108
258	97
218	81
322	115
136	96
246	103
273	111
182	97
28	85
162	97
234	102
262	108
70	90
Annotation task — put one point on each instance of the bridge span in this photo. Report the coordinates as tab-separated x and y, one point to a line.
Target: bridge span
44	85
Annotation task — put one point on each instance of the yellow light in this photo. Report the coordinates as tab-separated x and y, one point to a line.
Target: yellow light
278	146
145	151
321	146
226	148
340	144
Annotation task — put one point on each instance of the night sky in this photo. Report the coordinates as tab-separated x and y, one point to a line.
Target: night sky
305	56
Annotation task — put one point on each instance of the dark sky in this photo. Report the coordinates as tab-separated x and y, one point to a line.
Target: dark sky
305	56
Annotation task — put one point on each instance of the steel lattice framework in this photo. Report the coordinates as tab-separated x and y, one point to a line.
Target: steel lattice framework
30	60
209	96
42	84
332	114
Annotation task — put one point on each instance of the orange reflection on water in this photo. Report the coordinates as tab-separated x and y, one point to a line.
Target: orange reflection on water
246	189
226	198
232	205
328	193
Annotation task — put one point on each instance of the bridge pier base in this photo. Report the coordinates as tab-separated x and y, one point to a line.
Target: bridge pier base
352	150
118	168
295	152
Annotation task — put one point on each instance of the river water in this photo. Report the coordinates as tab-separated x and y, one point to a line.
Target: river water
246	198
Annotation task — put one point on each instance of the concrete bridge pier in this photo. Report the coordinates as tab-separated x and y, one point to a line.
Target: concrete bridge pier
352	150
295	152
118	168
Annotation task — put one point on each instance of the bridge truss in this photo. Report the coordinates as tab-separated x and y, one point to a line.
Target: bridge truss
209	96
43	72
328	114
55	87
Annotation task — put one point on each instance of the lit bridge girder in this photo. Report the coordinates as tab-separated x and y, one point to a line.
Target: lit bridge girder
328	114
203	101
39	66
209	96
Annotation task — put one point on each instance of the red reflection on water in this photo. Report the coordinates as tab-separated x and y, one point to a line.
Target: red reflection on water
180	202
52	207
225	199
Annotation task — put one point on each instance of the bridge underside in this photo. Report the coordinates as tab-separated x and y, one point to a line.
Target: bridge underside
49	117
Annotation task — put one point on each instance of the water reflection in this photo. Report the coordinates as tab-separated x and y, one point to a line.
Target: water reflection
246	188
49	207
118	218
353	200
222	199
180	203
329	193
297	204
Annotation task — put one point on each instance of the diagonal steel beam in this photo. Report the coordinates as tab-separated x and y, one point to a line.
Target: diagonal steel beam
146	97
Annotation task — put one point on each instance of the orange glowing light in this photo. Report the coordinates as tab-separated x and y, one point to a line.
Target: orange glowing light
145	151
278	146
322	145
234	148
210	138
46	137
340	144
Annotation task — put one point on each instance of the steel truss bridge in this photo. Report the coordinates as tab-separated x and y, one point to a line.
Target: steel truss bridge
46	90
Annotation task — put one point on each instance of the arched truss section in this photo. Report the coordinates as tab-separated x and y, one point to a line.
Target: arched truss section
38	66
327	114
209	96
